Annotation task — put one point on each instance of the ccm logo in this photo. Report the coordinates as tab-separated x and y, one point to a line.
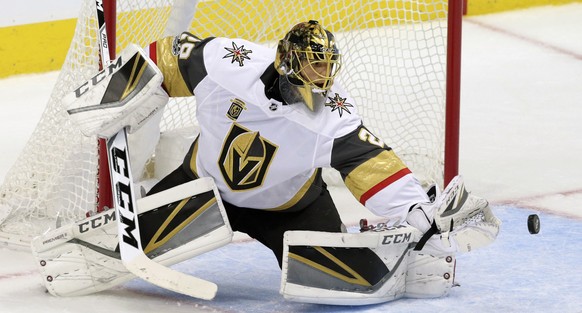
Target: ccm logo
398	238
97	222
123	195
98	78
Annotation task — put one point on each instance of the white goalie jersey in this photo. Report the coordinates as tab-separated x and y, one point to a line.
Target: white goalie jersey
265	153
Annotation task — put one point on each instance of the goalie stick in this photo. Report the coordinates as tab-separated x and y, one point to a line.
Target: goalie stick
102	34
130	246
132	255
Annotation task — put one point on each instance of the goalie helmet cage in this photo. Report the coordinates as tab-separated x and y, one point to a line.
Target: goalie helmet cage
401	63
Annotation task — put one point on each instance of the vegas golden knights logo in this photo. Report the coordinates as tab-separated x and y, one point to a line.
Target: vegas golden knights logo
236	108
245	158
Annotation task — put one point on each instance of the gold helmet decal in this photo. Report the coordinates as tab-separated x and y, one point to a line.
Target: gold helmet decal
309	58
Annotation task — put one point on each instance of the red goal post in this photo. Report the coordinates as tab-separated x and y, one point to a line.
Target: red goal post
453	91
401	64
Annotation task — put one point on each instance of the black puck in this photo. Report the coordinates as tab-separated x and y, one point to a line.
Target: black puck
533	224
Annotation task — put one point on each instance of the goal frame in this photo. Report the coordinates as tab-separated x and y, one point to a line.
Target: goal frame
453	89
104	198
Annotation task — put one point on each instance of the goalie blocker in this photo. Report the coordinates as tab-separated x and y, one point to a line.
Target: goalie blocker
127	93
180	223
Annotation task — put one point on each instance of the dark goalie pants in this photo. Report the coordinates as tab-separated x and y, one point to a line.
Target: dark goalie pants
266	226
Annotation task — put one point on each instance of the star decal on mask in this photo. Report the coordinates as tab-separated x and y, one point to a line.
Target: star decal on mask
238	54
338	103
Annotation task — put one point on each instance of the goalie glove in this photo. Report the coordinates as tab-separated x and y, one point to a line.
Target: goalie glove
456	221
127	93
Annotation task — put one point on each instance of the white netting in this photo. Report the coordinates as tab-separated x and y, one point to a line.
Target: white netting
394	66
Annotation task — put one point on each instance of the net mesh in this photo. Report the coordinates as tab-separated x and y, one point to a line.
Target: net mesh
394	65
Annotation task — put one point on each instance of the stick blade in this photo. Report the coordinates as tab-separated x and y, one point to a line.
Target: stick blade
170	279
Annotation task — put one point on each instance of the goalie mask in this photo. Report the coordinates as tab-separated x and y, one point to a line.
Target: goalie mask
308	61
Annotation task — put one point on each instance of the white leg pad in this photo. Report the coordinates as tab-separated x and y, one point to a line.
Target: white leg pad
346	269
429	276
83	258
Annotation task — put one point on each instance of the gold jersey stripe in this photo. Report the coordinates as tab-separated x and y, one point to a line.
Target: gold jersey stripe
168	63
374	172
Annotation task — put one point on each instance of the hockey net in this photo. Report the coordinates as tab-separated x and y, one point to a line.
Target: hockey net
394	65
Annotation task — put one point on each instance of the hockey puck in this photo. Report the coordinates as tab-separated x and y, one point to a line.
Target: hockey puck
533	224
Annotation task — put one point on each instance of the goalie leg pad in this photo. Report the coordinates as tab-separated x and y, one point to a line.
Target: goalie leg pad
429	276
68	260
83	258
346	268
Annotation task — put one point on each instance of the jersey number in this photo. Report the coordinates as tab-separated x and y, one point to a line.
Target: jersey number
367	136
187	43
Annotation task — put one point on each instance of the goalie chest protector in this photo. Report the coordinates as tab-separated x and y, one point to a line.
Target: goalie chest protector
261	152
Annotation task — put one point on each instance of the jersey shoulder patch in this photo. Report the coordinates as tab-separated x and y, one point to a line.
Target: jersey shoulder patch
237	64
335	116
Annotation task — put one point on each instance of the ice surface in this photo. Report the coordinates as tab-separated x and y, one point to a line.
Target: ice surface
521	147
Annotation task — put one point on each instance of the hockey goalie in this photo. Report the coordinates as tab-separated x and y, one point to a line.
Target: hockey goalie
270	120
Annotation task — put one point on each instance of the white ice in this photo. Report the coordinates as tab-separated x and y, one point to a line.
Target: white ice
521	148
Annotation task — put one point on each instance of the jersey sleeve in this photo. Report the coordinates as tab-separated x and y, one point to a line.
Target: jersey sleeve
180	58
375	175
